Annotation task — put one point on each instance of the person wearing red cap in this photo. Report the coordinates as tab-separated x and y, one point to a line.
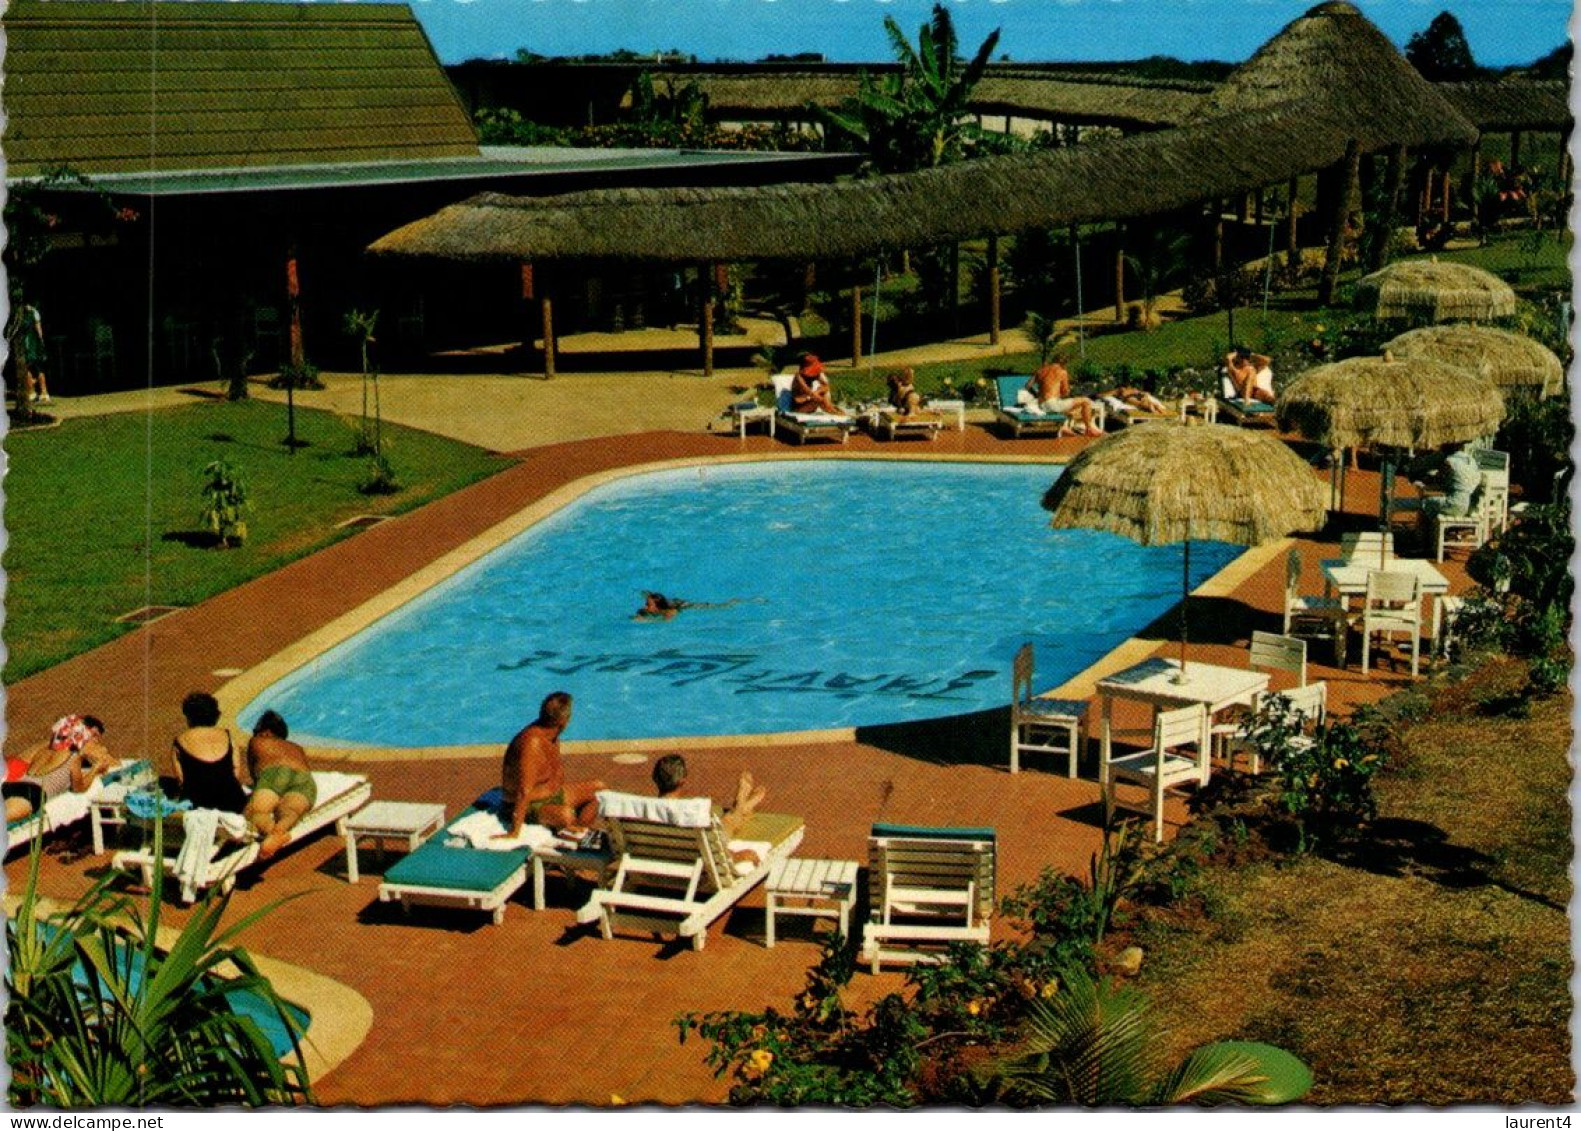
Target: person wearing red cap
810	390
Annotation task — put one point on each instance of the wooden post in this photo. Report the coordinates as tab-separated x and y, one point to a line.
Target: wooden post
955	288
1564	157
1119	272
809	281
1388	212
1240	208
546	313
293	299
1474	174
1292	236
705	321
856	326
1444	212
1259	217
993	290
1218	234
1515	149
1343	190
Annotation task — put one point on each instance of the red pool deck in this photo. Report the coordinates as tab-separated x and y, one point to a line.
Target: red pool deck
536	1009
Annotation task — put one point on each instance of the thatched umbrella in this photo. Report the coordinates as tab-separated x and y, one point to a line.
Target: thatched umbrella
1511	361
1390	403
1441	292
1169	482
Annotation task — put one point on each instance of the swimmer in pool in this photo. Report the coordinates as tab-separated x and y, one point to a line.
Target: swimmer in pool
656	606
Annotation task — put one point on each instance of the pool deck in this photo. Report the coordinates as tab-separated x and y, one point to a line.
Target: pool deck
536	1009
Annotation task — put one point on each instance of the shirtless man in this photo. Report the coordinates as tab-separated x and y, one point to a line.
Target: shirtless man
669	775
810	390
283	788
1251	374
1050	391
536	791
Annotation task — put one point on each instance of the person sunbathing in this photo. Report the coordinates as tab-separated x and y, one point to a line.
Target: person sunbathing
1049	391
669	775
1250	375
208	767
69	761
1135	400
533	778
283	787
810	391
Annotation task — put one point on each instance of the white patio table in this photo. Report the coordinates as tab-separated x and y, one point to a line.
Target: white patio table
1159	683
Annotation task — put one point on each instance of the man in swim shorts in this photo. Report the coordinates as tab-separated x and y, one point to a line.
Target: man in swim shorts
533	778
283	787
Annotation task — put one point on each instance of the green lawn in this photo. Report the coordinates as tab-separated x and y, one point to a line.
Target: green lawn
103	513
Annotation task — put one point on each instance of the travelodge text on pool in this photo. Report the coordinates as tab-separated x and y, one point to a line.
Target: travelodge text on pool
681	669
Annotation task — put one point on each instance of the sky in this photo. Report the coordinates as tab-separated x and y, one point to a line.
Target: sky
1500	31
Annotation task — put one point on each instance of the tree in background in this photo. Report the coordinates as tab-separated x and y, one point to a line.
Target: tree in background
915	118
1441	53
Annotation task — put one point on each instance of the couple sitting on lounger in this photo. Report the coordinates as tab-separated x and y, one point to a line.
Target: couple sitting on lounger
1248	376
536	792
209	771
1049	391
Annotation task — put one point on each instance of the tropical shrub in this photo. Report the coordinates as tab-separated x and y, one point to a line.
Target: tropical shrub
1325	780
98	1015
304	376
381	479
225	496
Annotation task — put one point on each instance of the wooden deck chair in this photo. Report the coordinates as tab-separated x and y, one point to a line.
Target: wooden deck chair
673	868
1367	546
1176	757
1039	725
928	887
806	425
1394	605
339	795
1313	616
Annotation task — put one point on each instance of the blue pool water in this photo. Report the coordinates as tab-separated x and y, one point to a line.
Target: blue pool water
864	592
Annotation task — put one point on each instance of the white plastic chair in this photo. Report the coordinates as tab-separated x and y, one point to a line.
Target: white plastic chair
1041	726
1394	605
1177	756
1313	616
1309	701
1465	531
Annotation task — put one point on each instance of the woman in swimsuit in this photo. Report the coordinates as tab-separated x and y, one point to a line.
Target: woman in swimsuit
208	765
70	761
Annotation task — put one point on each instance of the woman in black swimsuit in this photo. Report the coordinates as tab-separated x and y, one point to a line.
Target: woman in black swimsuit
208	766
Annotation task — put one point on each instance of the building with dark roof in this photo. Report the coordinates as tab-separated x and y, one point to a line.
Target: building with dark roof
247	154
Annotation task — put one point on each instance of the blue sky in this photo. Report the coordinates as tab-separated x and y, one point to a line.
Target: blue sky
1500	31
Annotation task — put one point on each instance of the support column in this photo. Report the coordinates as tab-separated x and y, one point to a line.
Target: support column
1343	190
1388	212
856	326
1475	173
293	299
993	290
1292	235
1119	272
1259	216
1564	157
705	321
546	314
1444	188
1218	234
954	296
1515	149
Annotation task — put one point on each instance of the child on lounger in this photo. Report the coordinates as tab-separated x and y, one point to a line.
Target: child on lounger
283	787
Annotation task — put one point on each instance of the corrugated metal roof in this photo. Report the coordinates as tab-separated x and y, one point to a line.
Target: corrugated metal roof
120	87
495	163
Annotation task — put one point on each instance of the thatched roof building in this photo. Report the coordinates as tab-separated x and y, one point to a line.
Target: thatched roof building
1096	99
1328	78
1511	104
1332	60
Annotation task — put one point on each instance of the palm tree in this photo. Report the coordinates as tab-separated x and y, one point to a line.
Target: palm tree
915	118
1095	1044
1046	335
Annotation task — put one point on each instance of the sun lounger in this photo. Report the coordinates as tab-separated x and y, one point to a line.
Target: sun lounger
1020	418
674	873
69	808
803	425
928	887
229	847
1244	410
887	423
443	873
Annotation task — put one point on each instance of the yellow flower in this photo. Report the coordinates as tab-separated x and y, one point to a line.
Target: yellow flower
974	1007
1312	782
1340	763
1050	987
615	1100
758	1063
982	382
808	1001
1320	327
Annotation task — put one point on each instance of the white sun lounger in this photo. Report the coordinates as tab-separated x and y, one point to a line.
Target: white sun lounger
69	808
674	873
802	425
339	795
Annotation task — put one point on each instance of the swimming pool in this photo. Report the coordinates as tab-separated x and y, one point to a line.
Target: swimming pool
847	593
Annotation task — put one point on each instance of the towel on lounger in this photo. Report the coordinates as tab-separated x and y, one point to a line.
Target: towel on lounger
759	848
479	828
203	830
682	812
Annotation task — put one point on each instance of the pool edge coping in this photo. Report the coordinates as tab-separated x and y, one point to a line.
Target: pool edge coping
238	692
